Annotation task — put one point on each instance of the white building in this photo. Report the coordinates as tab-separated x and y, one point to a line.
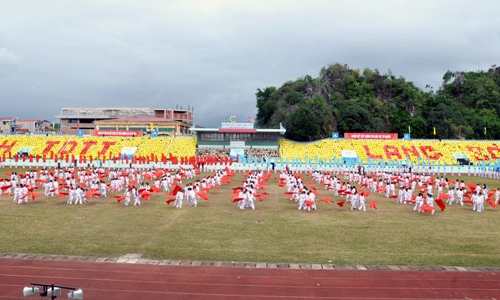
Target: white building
7	125
32	126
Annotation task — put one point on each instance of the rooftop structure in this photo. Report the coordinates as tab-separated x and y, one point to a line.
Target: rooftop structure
238	136
83	119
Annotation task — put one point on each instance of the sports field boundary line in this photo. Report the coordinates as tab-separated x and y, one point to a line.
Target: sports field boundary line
137	259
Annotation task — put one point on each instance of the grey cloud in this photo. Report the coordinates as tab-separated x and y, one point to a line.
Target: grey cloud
213	55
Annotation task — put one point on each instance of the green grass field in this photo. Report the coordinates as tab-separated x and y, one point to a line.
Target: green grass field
275	232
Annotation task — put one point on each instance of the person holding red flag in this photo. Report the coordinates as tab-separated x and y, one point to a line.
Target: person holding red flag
419	201
430	203
362	201
179	196
480	202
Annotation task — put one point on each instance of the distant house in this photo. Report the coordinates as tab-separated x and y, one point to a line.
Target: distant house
7	125
34	126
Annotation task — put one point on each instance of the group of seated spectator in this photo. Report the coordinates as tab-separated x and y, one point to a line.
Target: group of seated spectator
262	152
213	152
253	152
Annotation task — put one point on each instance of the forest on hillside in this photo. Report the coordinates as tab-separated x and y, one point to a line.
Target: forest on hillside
341	99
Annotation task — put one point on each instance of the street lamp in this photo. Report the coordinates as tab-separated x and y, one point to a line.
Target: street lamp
51	290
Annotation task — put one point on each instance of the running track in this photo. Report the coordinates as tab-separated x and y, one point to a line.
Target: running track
145	279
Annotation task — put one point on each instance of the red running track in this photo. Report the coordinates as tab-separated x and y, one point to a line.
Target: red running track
113	281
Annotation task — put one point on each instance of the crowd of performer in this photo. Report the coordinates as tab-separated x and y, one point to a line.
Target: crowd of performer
422	190
79	185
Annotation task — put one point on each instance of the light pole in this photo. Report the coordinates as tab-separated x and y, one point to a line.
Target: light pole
51	290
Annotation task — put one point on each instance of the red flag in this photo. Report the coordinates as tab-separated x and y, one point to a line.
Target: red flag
341	203
237	200
427	208
440	203
176	189
326	200
471	186
203	195
132	183
170	200
309	203
373	204
35	195
261	197
119	198
145	195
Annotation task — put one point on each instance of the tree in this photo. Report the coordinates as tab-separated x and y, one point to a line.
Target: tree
342	99
418	127
355	117
300	125
314	116
266	105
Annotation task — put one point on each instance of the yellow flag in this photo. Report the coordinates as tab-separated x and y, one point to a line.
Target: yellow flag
434	130
151	126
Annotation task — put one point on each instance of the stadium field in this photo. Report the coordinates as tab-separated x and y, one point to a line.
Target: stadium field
391	234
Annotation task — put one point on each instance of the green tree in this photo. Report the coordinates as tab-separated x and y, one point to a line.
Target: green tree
300	125
342	99
355	117
266	105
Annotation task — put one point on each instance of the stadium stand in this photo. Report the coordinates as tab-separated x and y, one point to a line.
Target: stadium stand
95	147
408	151
326	151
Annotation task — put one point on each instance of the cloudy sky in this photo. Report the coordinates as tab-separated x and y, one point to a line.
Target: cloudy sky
213	55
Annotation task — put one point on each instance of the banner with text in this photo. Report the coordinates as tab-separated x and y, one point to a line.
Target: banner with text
370	136
128	133
237	125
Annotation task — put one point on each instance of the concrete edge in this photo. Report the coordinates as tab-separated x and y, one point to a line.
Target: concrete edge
136	259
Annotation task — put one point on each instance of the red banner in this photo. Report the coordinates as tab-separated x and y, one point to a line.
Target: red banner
129	133
370	136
